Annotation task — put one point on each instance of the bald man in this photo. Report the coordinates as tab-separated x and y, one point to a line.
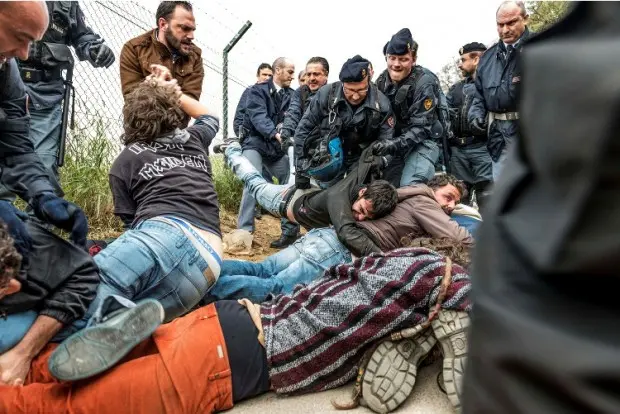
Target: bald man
22	170
494	108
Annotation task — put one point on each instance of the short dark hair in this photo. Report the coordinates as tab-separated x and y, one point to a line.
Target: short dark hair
167	8
383	197
150	111
441	180
263	66
321	61
10	259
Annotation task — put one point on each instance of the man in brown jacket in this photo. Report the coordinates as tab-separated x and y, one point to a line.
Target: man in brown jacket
170	45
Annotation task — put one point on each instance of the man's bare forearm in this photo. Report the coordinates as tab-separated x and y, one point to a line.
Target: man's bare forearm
40	333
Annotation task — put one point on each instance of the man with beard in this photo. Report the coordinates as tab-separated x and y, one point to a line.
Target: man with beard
469	158
170	45
316	73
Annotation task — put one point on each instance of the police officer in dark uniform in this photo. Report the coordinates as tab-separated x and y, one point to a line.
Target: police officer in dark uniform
42	77
420	110
469	159
353	110
497	83
21	169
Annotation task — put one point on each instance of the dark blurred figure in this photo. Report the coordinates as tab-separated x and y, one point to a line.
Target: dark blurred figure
544	335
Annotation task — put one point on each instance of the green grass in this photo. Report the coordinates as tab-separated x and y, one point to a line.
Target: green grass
227	185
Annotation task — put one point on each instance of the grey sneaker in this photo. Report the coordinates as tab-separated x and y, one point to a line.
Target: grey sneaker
392	369
221	148
450	328
95	349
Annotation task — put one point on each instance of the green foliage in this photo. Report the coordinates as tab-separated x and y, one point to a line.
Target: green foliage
545	13
229	188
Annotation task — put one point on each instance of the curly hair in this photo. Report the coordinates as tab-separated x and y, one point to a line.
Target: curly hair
458	252
150	111
10	260
383	197
442	180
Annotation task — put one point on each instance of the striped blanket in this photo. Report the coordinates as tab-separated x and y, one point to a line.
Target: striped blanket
316	336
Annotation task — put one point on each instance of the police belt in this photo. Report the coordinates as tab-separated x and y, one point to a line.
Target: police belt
505	116
40	75
466	141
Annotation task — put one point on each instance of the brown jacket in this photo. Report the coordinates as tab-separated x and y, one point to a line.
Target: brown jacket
417	215
142	51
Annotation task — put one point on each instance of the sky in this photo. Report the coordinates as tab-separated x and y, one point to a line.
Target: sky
338	30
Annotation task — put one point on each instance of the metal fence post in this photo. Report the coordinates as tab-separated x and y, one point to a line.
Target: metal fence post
227	49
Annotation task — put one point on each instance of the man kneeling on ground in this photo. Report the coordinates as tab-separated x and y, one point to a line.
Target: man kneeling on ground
423	210
231	350
353	199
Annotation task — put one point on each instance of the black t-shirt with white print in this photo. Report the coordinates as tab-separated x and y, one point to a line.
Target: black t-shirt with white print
155	179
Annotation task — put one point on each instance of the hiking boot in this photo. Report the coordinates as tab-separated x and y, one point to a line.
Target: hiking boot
284	241
392	369
221	148
97	348
450	328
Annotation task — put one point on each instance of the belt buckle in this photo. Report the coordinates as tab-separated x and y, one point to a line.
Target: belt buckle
462	140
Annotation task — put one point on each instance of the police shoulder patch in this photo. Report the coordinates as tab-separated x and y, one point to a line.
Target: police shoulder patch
428	103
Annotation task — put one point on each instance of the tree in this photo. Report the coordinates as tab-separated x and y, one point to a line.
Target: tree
449	74
545	13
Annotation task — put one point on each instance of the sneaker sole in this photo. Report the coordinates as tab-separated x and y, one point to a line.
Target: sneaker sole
94	350
392	369
450	329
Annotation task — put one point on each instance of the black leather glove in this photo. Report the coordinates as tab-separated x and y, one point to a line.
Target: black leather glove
479	126
15	221
384	147
302	181
62	214
286	143
101	56
377	166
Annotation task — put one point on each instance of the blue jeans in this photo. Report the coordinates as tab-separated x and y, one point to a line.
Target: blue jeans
300	263
154	260
14	327
45	135
420	164
268	195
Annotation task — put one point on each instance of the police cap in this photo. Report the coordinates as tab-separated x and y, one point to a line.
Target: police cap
401	43
472	47
354	69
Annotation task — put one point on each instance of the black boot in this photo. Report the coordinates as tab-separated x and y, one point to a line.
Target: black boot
283	241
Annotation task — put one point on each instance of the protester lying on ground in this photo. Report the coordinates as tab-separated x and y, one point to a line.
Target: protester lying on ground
353	199
422	211
42	299
232	350
172	251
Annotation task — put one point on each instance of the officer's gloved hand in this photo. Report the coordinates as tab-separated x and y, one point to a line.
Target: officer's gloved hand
287	142
479	126
62	214
302	181
101	56
378	165
15	221
384	147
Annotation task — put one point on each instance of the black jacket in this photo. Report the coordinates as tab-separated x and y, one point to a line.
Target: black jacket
264	111
60	281
333	207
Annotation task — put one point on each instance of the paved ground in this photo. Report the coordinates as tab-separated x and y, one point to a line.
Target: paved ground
426	399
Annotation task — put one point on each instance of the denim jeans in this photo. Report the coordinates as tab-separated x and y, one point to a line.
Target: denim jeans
154	260
300	263
45	135
268	195
14	327
420	164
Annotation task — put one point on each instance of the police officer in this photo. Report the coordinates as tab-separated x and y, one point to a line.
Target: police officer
263	73
497	83
353	110
22	170
417	102
470	160
42	77
266	106
316	73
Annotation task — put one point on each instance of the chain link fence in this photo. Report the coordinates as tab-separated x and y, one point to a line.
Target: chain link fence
98	96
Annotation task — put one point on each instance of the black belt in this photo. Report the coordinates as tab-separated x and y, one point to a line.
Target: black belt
466	141
40	75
